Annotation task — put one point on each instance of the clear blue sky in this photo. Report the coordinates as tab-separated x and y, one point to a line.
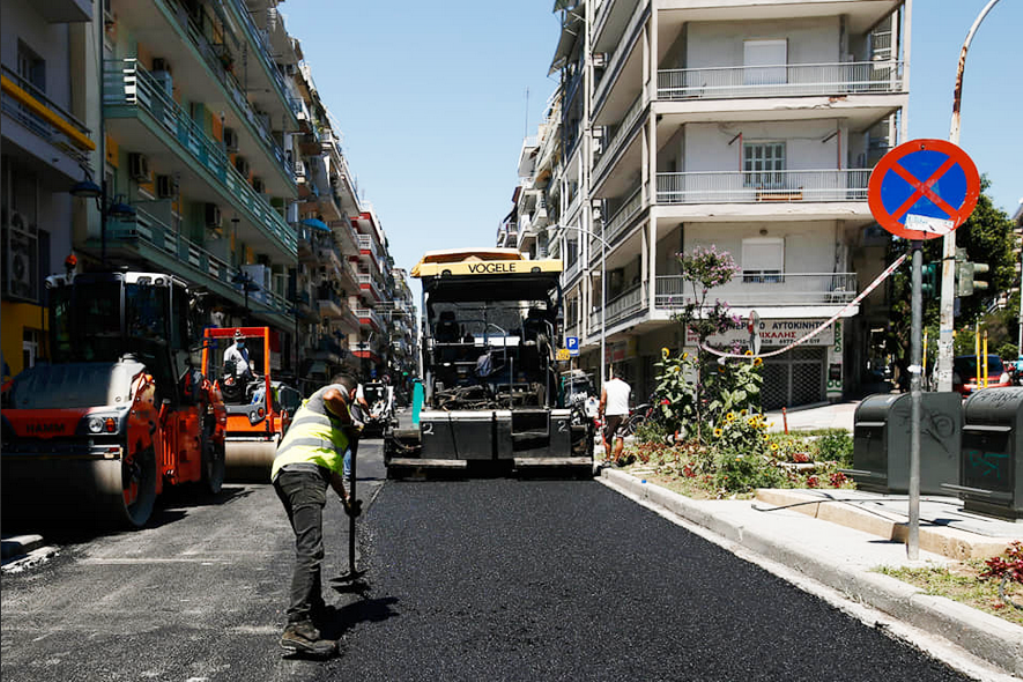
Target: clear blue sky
431	98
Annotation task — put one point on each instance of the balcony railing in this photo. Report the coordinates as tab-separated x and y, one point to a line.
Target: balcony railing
30	107
619	136
127	84
202	264
618	308
371	315
618	222
785	80
766	288
263	51
228	80
762	187
368	281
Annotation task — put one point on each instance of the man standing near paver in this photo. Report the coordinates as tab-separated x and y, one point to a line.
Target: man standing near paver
308	460
614	411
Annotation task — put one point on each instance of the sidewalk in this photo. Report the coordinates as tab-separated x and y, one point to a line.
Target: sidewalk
839	543
811	417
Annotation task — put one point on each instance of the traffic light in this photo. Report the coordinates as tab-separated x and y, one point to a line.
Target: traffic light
966	274
930	279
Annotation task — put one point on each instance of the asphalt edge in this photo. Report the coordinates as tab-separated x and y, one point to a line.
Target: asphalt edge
987	637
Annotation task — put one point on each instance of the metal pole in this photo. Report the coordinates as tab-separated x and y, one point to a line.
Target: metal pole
603	311
943	367
913	541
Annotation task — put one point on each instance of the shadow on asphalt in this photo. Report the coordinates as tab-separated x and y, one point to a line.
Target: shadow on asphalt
337	621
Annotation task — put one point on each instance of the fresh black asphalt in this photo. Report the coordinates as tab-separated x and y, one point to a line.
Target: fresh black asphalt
502	579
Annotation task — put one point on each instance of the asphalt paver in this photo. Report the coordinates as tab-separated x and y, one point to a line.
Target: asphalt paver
567	580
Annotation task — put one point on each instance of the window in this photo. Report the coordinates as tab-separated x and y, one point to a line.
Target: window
765	62
763	164
571	252
31	67
763	261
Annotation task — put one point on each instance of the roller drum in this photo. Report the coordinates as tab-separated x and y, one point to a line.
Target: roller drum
249	460
79	492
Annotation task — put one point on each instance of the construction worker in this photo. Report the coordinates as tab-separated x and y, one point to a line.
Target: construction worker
308	460
614	412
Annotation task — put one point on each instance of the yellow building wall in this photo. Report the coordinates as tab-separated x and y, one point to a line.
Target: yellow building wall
16	318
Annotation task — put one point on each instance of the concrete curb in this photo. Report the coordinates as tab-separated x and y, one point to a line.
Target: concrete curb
987	637
18	545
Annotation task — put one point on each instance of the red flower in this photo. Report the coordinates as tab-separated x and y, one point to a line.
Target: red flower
666	402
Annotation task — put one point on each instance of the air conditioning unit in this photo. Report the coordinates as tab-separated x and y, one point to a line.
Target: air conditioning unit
300	169
231	140
242	165
138	167
214	219
22	256
166	186
258	184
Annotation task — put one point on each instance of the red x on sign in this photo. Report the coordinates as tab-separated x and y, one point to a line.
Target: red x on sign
923	189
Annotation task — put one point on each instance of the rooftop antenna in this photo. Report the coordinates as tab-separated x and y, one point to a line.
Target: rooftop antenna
525	124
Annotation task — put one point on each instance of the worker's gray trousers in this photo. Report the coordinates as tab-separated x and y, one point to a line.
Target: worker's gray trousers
304	494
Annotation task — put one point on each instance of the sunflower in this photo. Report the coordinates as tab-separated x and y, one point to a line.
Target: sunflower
685	356
730	417
665	353
774	447
757	362
717	433
742	413
749	352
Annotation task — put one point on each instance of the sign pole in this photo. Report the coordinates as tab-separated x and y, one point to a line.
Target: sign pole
915	369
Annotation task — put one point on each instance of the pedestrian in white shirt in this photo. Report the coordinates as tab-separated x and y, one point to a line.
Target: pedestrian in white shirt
614	411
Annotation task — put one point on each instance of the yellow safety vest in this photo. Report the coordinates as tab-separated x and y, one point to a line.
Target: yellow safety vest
315	436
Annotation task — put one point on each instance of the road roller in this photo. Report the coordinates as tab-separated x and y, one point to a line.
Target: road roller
239	361
119	412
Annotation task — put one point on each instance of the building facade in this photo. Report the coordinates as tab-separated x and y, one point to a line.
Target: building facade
186	136
748	126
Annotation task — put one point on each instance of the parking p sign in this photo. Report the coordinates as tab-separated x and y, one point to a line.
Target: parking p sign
572	344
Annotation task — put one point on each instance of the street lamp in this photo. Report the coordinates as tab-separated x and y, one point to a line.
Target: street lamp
603	296
115	208
248	284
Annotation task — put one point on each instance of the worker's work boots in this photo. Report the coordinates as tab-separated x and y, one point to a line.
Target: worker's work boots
302	637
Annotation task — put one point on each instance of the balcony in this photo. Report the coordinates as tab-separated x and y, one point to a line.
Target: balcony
151	238
369	318
786	80
618	223
208	71
728	187
619	308
44	126
131	96
330	302
368	283
261	41
783	289
618	138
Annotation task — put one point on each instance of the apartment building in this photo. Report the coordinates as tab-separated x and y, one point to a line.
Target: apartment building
748	126
404	365
370	302
47	143
327	247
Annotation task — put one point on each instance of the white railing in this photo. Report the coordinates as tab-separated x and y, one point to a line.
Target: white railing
618	308
619	137
767	186
369	314
621	219
785	80
202	264
764	288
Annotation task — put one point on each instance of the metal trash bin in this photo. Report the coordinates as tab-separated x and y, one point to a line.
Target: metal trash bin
881	442
991	473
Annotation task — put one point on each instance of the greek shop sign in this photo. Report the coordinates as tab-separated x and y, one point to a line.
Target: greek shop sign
774	333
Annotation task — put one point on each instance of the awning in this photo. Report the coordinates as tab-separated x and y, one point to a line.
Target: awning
571	27
316	224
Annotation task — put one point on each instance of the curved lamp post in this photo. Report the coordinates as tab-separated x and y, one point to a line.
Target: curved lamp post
108	208
603	297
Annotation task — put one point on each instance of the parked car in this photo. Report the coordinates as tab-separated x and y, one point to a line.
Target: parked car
965	374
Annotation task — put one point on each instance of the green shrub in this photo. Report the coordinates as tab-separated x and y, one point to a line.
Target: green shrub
836	446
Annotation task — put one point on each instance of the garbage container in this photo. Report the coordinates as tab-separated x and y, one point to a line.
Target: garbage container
881	442
991	473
